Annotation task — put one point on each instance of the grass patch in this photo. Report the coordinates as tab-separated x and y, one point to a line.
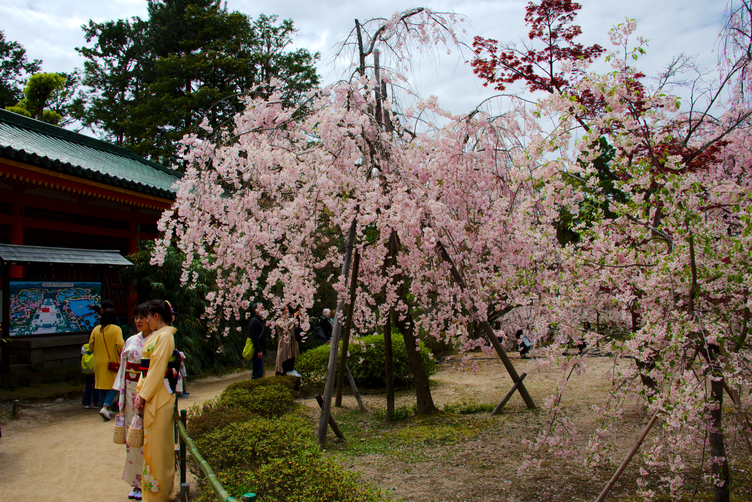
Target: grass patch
409	438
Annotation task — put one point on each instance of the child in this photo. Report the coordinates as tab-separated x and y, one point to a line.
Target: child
87	368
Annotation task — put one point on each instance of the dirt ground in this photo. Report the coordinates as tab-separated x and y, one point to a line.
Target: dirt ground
485	469
61	451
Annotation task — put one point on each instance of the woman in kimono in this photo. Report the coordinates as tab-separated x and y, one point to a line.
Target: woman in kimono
126	382
155	399
106	341
287	345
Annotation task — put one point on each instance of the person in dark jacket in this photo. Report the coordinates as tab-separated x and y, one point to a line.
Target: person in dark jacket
257	336
324	329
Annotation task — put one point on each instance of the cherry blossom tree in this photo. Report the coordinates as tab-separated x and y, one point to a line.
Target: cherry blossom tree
658	190
251	204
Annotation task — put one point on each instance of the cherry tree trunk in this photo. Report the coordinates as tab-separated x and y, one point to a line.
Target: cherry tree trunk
423	397
715	438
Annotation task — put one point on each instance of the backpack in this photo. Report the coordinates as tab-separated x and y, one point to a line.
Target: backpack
87	361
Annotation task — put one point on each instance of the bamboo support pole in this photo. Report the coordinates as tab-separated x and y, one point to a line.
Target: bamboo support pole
626	461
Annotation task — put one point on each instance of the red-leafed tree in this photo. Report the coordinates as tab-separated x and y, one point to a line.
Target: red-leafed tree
538	64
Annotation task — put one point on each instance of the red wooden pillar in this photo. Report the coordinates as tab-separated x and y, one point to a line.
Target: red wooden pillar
16	232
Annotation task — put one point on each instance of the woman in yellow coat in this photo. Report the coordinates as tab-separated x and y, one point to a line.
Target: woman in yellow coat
106	341
156	401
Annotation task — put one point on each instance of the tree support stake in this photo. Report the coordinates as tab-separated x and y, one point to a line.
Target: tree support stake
497	410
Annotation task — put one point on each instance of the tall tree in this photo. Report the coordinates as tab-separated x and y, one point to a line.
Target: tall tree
156	80
115	72
14	67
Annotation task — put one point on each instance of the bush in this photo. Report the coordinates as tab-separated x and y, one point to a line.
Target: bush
266	401
284	381
249	445
312	365
310	478
213	418
366	361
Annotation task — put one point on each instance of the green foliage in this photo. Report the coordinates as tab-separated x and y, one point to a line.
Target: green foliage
213	418
310	478
400	413
251	444
13	67
39	91
287	382
155	80
468	408
267	401
367	361
203	353
312	365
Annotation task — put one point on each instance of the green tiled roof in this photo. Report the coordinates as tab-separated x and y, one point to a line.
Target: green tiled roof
24	255
34	142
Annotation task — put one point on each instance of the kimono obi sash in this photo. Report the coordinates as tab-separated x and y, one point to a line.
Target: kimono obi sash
172	369
132	371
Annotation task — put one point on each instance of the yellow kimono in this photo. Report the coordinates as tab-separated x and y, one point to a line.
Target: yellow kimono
158	480
106	346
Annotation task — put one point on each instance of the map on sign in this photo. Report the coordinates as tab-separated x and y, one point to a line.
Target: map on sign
50	308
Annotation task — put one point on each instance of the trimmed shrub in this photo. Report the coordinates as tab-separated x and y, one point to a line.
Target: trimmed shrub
366	361
310	478
266	401
249	445
215	418
283	381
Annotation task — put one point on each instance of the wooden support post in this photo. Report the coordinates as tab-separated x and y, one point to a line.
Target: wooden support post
15	409
486	328
355	390
334	346
348	328
185	492
497	410
331	421
624	464
389	364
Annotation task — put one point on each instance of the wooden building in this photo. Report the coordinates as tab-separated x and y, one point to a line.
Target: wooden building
60	189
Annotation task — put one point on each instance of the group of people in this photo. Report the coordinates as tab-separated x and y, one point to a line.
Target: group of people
289	334
144	371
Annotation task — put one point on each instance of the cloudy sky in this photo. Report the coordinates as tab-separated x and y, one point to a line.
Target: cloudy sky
50	30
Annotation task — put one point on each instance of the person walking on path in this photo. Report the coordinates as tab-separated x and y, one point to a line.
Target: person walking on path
258	338
287	345
155	400
125	383
106	341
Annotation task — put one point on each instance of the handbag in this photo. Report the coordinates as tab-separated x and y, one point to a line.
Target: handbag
135	436
248	352
111	365
118	432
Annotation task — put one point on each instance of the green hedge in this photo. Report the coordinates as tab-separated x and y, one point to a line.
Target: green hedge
254	439
367	361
